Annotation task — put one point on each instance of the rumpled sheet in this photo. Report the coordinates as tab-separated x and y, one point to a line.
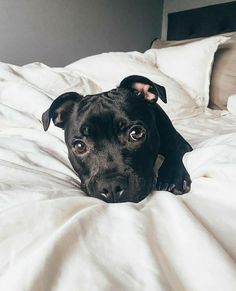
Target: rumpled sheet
54	237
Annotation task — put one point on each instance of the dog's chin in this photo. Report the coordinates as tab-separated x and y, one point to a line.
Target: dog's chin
125	197
129	195
139	187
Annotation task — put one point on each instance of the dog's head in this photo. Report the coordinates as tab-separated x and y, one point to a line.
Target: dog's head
112	138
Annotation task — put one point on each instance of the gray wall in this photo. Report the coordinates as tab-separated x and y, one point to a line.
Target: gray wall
58	32
179	5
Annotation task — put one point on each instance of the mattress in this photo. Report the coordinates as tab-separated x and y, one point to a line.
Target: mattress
54	237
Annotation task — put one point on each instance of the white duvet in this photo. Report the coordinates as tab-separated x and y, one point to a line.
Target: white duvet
54	237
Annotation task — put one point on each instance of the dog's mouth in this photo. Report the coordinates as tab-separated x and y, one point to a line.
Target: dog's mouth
137	189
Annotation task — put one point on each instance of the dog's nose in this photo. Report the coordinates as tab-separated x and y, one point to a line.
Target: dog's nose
112	189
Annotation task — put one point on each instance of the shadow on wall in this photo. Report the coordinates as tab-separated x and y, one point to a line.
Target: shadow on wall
58	32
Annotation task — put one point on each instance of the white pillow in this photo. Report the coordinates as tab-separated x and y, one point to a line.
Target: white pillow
189	64
108	70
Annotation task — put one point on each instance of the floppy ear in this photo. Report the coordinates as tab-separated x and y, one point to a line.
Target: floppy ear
149	89
60	109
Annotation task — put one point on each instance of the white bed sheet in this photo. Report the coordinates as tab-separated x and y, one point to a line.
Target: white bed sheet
53	237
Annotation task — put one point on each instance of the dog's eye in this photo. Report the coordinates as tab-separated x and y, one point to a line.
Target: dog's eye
79	147
137	133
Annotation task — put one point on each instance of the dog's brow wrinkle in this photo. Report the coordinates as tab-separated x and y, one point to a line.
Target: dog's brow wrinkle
84	130
106	100
122	124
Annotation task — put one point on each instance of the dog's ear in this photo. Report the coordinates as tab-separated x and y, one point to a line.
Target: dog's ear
149	89
60	109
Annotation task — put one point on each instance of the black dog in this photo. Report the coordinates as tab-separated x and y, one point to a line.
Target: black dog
114	138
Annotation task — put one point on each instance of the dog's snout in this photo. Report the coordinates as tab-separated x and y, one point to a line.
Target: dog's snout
112	189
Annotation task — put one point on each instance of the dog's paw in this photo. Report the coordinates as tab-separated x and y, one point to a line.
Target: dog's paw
178	185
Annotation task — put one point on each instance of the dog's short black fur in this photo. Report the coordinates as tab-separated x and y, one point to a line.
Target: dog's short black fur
114	138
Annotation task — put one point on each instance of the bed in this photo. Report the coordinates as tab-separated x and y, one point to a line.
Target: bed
54	237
